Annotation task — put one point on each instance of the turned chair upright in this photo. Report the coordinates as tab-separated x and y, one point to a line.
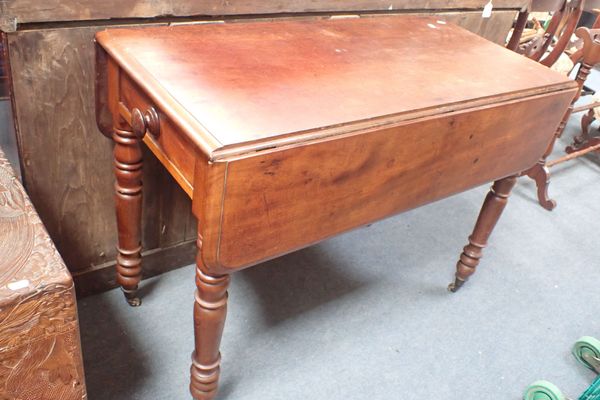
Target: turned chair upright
562	25
585	143
587	59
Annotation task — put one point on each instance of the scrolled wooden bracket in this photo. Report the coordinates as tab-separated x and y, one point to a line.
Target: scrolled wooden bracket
142	122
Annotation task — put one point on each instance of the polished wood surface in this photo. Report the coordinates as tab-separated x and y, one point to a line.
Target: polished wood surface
128	197
54	114
210	309
281	68
40	351
281	141
262	156
491	211
396	168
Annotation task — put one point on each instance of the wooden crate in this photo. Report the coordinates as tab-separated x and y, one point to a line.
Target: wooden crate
66	162
40	351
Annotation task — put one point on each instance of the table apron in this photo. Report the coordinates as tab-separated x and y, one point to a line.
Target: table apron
275	202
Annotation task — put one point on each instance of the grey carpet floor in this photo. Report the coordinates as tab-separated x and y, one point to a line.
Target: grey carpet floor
367	316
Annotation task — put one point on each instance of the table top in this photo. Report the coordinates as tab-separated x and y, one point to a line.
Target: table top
258	81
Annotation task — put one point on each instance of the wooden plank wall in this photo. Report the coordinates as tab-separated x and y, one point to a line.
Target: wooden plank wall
27	11
66	162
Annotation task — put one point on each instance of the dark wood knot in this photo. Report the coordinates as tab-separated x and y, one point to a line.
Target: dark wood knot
145	122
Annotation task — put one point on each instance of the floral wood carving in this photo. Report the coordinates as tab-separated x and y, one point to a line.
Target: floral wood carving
40	351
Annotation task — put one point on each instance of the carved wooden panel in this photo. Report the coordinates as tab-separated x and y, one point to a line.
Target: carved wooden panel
40	352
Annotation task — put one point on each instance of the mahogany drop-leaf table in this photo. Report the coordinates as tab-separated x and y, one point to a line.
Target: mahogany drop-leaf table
287	133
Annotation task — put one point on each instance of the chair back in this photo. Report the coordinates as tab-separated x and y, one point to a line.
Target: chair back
588	56
562	25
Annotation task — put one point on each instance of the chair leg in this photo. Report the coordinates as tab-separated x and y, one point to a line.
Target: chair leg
541	176
540	172
493	206
584	136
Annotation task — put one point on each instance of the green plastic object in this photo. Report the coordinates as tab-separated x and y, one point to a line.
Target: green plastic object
543	390
590	346
593	392
586	345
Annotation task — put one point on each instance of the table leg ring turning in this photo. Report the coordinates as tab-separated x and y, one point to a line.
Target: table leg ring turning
210	310
493	206
128	198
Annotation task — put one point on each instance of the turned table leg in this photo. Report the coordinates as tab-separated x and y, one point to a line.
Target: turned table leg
128	196
493	205
210	309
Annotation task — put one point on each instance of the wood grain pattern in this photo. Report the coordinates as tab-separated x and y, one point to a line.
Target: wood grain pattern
494	28
395	123
66	164
40	351
168	142
281	80
396	168
72	10
54	84
65	160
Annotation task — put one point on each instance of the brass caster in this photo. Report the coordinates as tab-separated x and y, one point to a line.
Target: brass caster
131	296
456	285
134	302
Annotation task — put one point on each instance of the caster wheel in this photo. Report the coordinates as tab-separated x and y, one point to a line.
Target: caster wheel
134	302
543	390
586	345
